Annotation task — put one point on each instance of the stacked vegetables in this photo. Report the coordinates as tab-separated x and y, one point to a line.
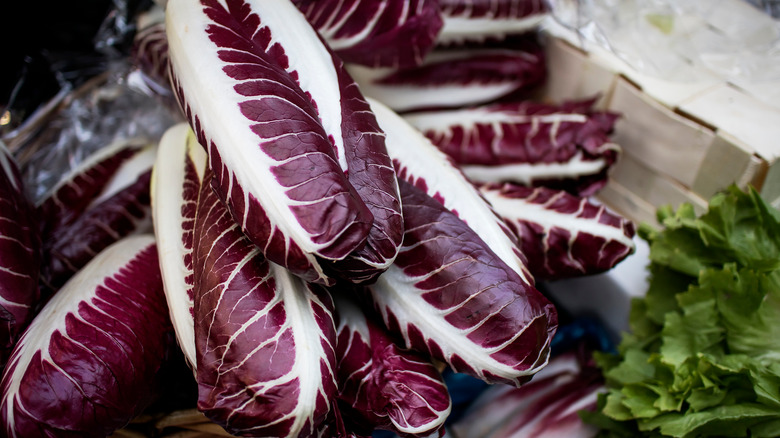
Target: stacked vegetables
546	407
321	257
701	359
89	360
104	199
20	254
315	194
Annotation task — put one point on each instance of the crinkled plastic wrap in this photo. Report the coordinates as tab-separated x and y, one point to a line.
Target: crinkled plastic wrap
663	38
115	105
107	109
771	7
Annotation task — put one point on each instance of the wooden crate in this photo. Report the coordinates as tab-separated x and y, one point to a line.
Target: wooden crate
682	142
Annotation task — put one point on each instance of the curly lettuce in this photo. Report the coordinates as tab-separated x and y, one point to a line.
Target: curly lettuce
701	358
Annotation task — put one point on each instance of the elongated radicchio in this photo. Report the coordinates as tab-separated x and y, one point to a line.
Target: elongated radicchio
88	362
149	53
419	162
96	205
382	385
176	183
296	153
562	146
334	426
546	407
562	235
386	33
474	20
456	77
265	339
449	295
75	191
20	256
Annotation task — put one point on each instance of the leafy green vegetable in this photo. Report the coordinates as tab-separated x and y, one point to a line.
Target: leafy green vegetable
703	354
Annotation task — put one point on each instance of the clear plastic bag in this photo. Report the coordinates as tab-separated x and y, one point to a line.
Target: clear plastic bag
664	38
105	110
771	7
114	105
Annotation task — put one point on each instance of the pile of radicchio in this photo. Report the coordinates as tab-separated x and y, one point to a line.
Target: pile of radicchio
360	197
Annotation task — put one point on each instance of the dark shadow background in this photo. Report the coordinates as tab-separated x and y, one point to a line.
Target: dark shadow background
45	44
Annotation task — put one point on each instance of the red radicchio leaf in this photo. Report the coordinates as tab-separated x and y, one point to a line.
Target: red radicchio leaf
566	147
456	77
88	362
124	214
478	20
121	208
296	156
382	385
372	175
77	190
449	295
149	54
265	339
334	426
562	235
150	51
20	256
176	184
545	407
419	162
384	33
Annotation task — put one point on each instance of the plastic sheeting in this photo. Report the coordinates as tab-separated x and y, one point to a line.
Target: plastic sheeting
681	40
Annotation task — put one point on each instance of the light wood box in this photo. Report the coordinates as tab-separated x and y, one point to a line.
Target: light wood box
681	142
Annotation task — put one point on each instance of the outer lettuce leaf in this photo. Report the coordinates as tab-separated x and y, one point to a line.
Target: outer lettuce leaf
334	426
20	256
738	228
750	315
547	406
73	194
702	359
386	33
86	222
88	362
450	78
449	295
176	184
382	385
265	339
470	20
150	52
371	173
149	55
296	156
558	146
420	163
560	234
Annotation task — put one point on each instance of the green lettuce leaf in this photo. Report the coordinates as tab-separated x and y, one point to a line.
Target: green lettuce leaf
703	354
738	227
